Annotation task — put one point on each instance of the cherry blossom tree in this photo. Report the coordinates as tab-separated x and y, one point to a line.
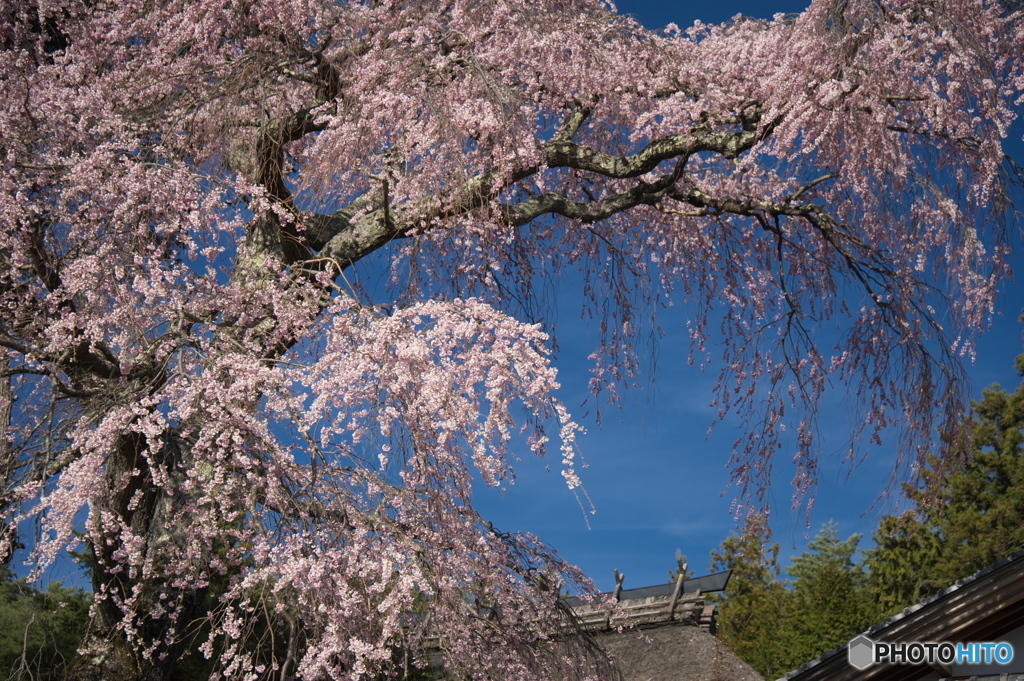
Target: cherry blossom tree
265	461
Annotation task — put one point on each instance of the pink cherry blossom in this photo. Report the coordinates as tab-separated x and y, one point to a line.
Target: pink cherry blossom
272	462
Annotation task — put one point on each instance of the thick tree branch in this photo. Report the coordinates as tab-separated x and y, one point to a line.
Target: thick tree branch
579	157
346	241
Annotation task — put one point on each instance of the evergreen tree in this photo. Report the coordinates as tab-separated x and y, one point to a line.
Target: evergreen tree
962	520
777	626
824	551
830	602
39	630
901	567
751	616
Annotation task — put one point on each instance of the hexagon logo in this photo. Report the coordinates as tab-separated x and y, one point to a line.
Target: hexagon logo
861	652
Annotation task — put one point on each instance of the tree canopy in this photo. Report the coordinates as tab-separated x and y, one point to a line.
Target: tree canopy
39	630
777	625
961	520
751	617
829	600
198	386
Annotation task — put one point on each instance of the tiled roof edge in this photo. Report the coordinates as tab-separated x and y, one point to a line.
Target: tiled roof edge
906	612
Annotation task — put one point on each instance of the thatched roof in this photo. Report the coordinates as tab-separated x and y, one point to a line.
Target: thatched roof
674	653
666	635
671	635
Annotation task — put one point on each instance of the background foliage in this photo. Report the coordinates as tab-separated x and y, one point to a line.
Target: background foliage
39	630
959	522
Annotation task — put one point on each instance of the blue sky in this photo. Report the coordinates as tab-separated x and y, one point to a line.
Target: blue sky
659	484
